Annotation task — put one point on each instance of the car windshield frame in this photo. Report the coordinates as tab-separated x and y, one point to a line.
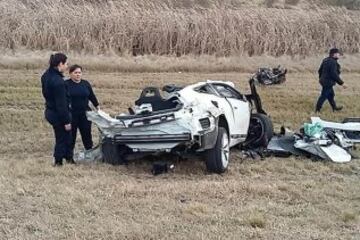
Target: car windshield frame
234	93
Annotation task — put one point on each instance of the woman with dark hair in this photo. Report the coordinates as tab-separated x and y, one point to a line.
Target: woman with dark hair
57	107
80	93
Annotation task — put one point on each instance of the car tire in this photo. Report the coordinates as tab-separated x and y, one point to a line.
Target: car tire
217	158
112	153
261	130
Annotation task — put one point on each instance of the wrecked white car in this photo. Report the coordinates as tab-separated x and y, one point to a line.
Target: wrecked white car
207	117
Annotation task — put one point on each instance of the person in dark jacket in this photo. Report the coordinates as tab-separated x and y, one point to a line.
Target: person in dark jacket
80	93
329	75
57	107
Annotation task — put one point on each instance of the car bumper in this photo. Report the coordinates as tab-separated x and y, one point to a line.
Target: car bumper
152	138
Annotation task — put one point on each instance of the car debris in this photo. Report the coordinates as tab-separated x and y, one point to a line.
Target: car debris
161	167
320	139
282	145
350	127
270	76
206	118
89	156
255	154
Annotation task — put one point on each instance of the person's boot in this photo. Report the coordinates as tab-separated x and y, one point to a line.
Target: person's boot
58	163
70	161
337	109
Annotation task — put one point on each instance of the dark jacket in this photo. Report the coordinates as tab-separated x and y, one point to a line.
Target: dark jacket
56	100
329	72
80	94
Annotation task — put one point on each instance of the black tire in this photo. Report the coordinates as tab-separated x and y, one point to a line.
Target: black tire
215	158
261	131
112	153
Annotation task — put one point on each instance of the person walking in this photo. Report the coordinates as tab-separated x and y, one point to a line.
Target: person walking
80	93
57	111
329	75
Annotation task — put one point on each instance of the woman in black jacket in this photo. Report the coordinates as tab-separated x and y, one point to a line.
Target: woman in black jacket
80	93
57	107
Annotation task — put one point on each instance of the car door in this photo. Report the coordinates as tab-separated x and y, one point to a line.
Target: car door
241	110
220	102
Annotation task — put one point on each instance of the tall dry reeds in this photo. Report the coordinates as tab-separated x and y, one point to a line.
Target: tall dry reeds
157	27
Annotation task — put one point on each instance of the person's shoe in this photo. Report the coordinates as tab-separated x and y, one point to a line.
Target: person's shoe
337	109
70	161
58	163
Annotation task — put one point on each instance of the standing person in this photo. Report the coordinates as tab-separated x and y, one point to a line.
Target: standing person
80	93
329	75
57	106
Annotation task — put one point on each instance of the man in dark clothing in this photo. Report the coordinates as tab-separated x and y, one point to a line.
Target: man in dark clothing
57	107
80	93
329	75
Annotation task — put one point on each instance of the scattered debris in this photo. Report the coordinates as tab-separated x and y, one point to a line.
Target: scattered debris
319	139
161	167
270	76
256	154
283	146
350	128
325	149
88	156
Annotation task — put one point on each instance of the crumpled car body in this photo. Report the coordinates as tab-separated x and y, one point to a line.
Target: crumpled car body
333	142
350	128
186	120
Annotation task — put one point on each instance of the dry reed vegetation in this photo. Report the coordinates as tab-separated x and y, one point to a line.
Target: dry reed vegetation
147	27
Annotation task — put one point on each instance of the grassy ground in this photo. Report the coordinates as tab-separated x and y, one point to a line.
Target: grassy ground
270	199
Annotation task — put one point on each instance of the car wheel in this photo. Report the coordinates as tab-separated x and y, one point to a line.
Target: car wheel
112	153
261	131
217	158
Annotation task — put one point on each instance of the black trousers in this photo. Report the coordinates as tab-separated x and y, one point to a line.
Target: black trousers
79	121
62	143
327	93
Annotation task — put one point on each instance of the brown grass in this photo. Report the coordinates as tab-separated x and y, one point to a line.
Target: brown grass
349	216
256	220
270	199
162	28
34	60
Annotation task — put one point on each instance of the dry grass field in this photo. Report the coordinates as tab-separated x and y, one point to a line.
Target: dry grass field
256	199
126	45
179	27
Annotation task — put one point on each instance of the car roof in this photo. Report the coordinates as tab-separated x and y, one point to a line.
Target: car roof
195	85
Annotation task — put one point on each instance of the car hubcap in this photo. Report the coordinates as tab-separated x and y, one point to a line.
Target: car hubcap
225	150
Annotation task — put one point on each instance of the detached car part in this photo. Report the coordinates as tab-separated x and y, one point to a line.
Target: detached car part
270	76
328	140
